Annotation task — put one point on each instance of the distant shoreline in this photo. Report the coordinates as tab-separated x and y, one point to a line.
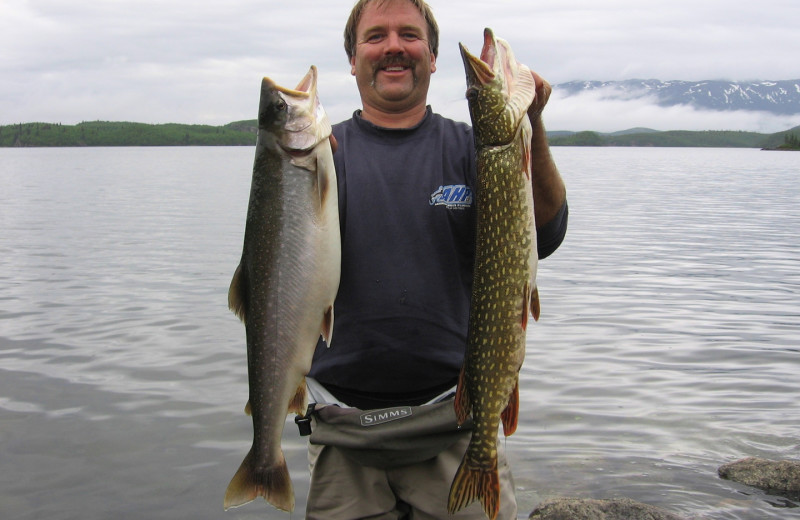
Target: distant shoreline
243	133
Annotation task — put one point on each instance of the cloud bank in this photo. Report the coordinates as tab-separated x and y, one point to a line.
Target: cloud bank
158	61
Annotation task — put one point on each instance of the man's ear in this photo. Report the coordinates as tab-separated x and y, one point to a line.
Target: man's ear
353	66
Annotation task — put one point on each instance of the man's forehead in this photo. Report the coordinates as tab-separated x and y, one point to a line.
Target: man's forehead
377	8
383	4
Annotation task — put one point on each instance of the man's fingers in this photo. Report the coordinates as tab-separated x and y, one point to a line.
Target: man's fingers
543	91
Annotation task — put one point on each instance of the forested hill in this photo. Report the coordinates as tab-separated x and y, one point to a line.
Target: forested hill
243	133
679	138
103	133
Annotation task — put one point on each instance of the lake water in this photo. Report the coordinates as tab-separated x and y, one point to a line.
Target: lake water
667	346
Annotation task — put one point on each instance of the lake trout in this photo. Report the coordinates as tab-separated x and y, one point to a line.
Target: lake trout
288	276
499	92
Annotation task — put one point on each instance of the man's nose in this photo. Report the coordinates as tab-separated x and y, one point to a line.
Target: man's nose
394	44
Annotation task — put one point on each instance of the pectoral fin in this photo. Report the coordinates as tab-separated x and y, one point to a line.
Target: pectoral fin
237	294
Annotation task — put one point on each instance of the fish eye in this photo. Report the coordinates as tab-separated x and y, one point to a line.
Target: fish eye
472	93
280	105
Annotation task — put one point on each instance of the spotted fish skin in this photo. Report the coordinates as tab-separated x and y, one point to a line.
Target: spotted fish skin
499	92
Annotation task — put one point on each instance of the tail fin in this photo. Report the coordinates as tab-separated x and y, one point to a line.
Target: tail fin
273	483
471	483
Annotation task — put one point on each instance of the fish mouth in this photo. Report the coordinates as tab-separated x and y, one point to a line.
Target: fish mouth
482	68
306	92
305	89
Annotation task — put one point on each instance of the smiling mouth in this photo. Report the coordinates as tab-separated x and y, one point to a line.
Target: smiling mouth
394	65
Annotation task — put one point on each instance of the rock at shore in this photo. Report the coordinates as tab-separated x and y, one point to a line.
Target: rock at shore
775	477
590	509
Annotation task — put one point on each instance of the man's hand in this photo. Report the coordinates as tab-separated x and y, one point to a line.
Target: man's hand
543	90
549	192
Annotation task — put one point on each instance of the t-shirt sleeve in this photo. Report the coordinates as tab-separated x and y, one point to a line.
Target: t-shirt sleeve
550	236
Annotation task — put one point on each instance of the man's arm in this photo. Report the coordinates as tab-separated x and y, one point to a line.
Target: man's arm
549	192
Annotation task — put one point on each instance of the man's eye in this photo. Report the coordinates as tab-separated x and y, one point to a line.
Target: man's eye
373	38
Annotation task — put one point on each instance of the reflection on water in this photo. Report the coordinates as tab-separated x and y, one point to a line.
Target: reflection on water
667	343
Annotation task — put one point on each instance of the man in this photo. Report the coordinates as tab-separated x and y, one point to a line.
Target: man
405	177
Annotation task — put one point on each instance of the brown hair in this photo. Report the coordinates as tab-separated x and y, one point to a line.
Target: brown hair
358	10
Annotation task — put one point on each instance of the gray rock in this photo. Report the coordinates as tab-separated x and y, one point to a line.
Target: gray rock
590	509
775	477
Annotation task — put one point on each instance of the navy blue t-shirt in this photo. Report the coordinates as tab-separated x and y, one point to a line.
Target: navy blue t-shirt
408	235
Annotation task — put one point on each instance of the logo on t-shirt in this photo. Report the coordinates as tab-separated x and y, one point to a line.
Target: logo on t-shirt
454	196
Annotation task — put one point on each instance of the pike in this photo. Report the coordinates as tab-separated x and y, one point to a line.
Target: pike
499	92
288	276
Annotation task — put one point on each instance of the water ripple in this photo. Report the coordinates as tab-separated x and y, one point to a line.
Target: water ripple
667	344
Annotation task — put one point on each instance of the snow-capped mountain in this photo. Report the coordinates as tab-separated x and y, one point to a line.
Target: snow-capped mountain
777	97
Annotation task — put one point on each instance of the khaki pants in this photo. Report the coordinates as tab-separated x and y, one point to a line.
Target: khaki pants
344	490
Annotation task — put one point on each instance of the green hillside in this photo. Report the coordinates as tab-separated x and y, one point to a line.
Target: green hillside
243	133
716	139
102	133
789	140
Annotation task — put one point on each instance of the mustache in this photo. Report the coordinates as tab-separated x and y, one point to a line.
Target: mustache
394	61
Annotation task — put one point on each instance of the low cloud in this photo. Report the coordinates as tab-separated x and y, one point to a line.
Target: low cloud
155	61
596	111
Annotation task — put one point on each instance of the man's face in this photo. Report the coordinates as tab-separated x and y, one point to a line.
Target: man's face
392	61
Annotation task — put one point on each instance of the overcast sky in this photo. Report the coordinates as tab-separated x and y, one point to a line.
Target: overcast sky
196	61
